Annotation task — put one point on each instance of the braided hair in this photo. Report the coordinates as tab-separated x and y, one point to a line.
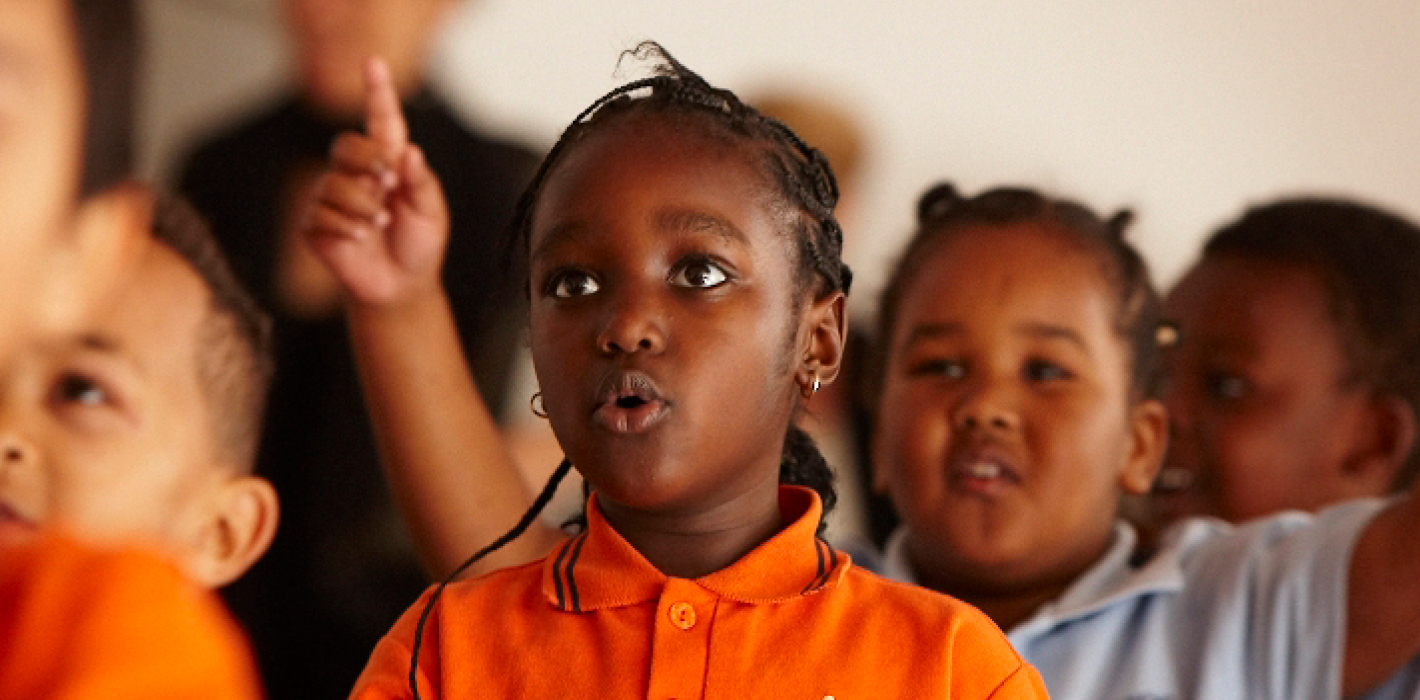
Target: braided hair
943	213
801	180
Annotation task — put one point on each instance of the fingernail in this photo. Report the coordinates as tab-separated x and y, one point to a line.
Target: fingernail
382	218
388	179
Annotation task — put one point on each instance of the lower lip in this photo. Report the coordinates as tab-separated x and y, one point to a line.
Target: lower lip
631	421
981	486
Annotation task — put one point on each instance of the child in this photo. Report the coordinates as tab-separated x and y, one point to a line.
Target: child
138	428
1018	405
1294	381
687	291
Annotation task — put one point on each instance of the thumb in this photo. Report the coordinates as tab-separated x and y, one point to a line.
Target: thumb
384	121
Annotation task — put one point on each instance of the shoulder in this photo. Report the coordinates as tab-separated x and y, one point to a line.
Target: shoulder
99	621
893	604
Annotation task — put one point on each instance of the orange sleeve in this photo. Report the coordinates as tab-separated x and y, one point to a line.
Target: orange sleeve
81	624
987	666
386	674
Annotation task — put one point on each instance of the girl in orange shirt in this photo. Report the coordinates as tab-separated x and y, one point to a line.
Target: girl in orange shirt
687	297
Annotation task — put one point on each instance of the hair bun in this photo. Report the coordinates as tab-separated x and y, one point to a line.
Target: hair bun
1120	221
936	202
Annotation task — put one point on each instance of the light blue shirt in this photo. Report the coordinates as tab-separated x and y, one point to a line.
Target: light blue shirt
1256	611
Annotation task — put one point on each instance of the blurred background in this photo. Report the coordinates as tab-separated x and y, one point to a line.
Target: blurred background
1184	111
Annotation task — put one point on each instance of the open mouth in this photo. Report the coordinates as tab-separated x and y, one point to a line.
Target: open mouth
630	403
983	471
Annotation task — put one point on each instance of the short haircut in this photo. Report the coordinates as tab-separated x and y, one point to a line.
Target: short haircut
1369	262
108	40
234	347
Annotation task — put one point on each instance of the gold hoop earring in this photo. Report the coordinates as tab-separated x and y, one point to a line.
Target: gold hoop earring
535	403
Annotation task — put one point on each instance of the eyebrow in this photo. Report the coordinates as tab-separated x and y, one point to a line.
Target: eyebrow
1052	332
692	221
676	221
105	345
1044	331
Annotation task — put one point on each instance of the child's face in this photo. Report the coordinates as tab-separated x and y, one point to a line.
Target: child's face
106	432
1006	430
41	108
664	317
1257	399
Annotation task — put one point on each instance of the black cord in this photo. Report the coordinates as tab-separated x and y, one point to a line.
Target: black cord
527	519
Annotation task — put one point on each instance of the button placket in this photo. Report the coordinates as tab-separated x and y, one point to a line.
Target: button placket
680	650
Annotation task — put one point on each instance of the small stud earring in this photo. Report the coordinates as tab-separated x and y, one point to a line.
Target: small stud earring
535	403
808	390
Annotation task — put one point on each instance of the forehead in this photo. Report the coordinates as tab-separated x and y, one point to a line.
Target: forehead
1025	273
1248	305
638	169
154	318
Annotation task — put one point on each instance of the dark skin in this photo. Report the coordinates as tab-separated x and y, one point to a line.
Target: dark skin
661	259
658	254
1007	432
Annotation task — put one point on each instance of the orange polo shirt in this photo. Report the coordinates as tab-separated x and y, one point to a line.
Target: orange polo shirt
792	619
78	623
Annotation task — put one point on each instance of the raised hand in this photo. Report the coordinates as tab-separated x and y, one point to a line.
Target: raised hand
379	219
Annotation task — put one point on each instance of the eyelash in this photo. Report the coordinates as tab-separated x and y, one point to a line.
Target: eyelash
955	369
71	387
556	280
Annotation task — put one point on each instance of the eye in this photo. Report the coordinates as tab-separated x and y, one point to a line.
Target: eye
699	274
78	389
1042	371
568	284
939	367
1227	387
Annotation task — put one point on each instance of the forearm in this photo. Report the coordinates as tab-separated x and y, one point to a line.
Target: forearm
443	454
1383	607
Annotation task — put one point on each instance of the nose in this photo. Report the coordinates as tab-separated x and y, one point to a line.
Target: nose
989	405
635	323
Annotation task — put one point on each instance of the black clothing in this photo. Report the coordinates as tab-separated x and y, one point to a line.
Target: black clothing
342	567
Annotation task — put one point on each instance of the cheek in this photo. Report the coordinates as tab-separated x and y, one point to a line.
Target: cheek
910	444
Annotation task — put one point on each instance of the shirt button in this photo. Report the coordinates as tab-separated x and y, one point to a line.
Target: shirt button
682	615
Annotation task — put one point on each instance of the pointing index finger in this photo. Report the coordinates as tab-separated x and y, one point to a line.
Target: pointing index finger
384	122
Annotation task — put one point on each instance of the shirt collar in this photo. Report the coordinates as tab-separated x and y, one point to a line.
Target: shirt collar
599	569
1110	581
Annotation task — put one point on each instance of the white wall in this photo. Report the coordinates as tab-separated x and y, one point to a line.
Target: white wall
1184	111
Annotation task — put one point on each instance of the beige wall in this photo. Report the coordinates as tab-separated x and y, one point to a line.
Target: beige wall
1185	111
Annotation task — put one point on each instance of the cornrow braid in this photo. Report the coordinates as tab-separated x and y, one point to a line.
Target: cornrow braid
802	178
801	173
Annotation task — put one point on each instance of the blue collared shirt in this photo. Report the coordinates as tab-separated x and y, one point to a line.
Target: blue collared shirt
1255	611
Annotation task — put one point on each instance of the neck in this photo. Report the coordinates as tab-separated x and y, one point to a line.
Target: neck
1007	599
694	544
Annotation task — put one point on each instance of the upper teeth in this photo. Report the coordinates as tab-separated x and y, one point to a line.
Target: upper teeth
984	470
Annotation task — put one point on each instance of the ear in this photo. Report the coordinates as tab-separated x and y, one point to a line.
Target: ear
1386	435
1148	440
237	531
825	323
106	235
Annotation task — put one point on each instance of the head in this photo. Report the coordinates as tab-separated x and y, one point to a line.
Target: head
1017	386
1293	379
334	38
64	72
142	424
686	289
